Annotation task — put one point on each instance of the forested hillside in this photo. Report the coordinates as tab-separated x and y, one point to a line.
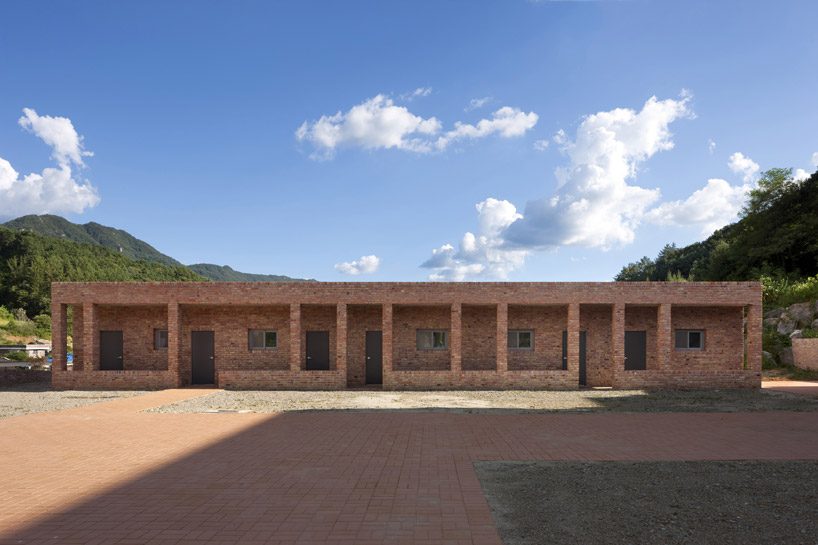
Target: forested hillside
224	273
30	262
776	238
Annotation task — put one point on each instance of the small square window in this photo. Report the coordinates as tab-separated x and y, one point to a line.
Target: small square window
689	339
160	339
259	339
429	339
521	339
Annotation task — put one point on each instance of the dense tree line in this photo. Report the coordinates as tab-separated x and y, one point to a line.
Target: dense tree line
776	237
30	262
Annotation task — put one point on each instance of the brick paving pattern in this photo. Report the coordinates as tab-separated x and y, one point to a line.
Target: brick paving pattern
108	473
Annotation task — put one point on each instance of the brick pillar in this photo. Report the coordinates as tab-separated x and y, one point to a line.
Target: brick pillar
664	336
456	347
386	328
618	339
295	337
341	339
76	336
754	323
90	336
59	340
174	340
502	337
572	327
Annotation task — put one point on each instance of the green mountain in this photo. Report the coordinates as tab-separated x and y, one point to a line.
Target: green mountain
29	262
775	238
224	273
127	245
116	240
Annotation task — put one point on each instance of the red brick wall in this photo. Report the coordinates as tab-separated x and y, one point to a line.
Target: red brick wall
361	318
479	325
548	323
723	338
406	321
230	309
137	324
805	353
595	320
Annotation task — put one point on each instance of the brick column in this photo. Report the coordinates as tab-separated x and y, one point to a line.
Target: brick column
59	337
295	337
572	327
174	340
618	339
90	337
502	337
341	339
754	323
456	346
664	336
386	335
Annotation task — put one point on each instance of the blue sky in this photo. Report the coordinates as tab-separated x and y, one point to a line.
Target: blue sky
192	112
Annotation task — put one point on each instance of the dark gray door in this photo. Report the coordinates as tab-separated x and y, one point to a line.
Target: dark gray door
374	357
203	357
636	350
317	350
110	351
583	373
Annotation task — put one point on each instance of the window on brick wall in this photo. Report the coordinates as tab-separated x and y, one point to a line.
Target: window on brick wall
160	339
521	339
260	339
689	339
432	339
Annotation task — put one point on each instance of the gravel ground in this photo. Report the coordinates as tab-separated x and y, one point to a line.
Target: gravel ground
721	503
26	399
498	401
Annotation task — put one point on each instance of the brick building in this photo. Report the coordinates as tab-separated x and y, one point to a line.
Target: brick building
408	335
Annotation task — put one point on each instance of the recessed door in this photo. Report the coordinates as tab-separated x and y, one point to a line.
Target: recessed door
203	357
636	350
374	357
110	351
317	350
583	373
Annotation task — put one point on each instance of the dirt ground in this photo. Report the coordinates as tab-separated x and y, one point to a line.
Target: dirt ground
591	503
38	398
498	401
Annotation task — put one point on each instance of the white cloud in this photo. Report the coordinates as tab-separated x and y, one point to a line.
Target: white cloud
54	190
595	204
815	159
541	145
477	103
378	123
481	255
800	175
711	146
711	207
507	122
743	165
420	92
57	132
367	264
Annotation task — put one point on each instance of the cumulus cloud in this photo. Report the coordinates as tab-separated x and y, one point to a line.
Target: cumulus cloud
743	165
482	254
541	145
711	207
477	103
800	175
378	123
366	264
711	146
59	133
53	190
596	203
815	159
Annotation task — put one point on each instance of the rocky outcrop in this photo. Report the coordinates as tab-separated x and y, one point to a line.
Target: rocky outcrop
792	318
